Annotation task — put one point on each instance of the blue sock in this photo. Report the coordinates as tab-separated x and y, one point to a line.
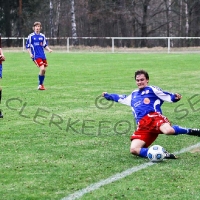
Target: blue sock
143	152
180	130
41	79
1	68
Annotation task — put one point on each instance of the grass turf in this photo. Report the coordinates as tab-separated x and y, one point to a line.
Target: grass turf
61	140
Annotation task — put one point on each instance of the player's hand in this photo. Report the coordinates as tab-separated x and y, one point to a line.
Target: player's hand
31	55
2	58
48	49
104	94
178	96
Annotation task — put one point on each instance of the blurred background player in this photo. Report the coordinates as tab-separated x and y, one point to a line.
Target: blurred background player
2	58
146	102
35	45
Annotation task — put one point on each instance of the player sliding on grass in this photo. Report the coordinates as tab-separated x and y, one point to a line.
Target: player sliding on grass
35	45
146	102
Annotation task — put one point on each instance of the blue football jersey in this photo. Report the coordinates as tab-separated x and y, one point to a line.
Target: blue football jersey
144	101
37	43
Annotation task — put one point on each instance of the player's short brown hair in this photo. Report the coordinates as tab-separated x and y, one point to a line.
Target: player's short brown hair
37	23
141	71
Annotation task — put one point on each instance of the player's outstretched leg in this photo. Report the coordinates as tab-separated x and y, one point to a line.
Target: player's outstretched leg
189	131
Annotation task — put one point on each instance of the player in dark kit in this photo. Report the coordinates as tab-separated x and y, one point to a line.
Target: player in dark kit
146	102
35	44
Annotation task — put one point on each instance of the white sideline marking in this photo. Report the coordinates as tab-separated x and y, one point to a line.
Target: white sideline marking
118	176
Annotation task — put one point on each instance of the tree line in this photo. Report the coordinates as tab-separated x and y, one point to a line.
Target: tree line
103	18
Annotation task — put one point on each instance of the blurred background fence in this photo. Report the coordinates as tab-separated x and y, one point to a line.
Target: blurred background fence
111	44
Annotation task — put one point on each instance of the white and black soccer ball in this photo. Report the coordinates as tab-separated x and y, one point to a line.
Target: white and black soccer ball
156	153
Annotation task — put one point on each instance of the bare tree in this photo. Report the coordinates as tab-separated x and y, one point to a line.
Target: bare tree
57	19
105	18
51	18
187	20
73	23
8	26
20	19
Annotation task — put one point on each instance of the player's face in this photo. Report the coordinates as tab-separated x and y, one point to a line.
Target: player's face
141	81
37	28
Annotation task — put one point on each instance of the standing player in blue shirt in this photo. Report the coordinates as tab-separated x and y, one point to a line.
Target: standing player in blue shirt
35	45
2	58
146	102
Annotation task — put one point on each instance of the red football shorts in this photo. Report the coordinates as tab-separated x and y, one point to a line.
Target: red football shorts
148	128
39	62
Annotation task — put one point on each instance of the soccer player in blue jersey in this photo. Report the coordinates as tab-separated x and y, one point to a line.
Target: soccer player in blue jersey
35	44
2	58
146	102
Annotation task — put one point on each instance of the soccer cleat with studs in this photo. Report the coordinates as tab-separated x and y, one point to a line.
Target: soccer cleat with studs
195	132
169	155
41	87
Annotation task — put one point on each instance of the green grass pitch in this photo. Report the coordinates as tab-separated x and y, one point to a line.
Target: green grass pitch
61	140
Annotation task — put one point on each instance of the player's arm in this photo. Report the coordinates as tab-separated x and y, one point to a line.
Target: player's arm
118	98
2	57
166	96
48	49
28	46
45	45
29	51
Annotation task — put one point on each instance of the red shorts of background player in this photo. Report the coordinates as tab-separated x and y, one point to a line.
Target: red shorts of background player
148	128
39	62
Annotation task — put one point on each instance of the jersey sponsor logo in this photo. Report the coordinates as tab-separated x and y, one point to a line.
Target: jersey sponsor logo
146	101
36	43
137	103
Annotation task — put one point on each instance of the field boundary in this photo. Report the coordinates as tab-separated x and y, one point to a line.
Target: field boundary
118	176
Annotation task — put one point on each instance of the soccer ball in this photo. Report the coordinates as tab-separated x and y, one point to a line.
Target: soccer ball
156	153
